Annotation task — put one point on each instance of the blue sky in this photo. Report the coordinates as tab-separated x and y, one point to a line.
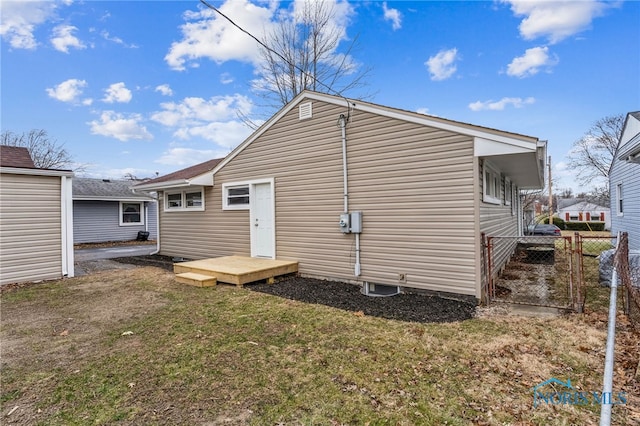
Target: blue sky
146	87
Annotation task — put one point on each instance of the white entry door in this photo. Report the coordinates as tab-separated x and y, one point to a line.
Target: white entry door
262	221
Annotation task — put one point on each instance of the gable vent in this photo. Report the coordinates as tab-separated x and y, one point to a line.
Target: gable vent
304	111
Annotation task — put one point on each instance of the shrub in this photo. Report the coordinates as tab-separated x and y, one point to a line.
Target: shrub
556	221
585	226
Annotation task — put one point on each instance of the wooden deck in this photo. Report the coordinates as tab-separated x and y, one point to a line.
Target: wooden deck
236	270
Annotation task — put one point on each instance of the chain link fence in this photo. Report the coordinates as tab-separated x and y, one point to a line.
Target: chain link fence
597	258
560	272
534	270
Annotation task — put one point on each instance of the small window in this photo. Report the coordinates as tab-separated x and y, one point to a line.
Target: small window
508	192
236	197
193	199
174	201
184	200
491	185
620	197
131	214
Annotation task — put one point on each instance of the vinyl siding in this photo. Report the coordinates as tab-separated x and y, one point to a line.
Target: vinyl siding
628	174
414	185
99	221
31	230
498	220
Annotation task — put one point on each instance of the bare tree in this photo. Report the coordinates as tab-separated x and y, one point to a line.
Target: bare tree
593	153
46	153
302	53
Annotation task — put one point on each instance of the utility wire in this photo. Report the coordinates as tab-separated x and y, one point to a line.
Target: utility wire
215	9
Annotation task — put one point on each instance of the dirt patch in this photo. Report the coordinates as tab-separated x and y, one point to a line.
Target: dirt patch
108	244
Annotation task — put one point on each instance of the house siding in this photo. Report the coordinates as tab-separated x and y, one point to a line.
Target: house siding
31	232
627	174
414	185
498	220
99	221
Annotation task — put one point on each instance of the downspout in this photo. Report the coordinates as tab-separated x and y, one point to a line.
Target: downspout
157	250
343	126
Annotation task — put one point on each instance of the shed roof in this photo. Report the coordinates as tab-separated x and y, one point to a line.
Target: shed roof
107	190
16	156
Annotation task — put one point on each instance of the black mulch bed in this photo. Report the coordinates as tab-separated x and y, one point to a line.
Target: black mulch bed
409	307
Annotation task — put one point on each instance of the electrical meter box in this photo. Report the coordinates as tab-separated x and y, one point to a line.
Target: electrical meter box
356	222
344	223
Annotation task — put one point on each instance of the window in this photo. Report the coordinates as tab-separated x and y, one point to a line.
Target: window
184	200
236	197
620	197
508	192
131	214
491	185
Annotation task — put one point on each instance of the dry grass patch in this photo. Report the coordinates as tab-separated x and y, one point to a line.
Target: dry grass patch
141	349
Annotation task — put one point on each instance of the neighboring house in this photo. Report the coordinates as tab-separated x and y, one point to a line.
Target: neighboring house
575	210
420	190
624	182
36	212
109	210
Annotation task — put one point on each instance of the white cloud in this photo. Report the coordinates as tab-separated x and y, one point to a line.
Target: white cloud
501	104
117	92
556	20
69	91
164	89
226	78
117	40
19	20
119	126
392	15
530	63
422	110
63	38
214	119
209	35
442	65
185	157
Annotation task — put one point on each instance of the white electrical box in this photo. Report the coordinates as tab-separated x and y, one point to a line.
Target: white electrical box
344	223
356	222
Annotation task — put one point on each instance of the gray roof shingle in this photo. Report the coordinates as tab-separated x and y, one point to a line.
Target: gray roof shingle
105	189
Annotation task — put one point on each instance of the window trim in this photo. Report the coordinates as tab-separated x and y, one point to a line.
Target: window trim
183	200
508	191
121	213
496	180
619	200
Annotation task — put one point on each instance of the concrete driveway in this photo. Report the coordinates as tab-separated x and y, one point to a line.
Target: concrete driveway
83	255
87	261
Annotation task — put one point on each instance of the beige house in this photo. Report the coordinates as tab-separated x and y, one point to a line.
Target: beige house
356	192
36	220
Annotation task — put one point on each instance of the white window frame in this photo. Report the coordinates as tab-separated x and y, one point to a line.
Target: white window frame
121	213
496	183
619	200
242	184
508	192
183	200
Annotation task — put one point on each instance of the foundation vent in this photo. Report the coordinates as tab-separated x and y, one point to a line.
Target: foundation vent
304	111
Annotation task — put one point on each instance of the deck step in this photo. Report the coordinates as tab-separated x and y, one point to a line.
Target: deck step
195	279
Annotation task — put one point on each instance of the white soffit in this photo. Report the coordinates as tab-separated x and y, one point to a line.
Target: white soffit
486	147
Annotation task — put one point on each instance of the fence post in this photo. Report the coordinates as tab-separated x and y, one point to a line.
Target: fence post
579	306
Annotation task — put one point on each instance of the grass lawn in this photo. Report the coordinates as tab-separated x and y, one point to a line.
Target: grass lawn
134	347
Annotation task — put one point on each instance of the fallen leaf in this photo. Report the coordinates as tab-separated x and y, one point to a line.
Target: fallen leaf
359	314
64	332
127	333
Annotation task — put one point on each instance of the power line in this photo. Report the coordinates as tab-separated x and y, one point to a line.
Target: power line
215	9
